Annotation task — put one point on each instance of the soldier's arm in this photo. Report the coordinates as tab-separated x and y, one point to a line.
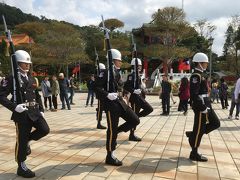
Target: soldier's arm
128	85
98	85
5	89
196	101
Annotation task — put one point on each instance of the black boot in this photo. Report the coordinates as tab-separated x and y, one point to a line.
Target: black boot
194	156
133	137
111	160
99	126
24	171
188	133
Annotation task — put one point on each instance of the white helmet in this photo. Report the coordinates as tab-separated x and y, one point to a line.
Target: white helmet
23	56
102	66
116	54
200	57
133	62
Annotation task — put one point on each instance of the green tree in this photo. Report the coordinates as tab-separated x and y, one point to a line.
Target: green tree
112	24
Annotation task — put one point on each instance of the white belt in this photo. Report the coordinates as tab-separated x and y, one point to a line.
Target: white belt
203	95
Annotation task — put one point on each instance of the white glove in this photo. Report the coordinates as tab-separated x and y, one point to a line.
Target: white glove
20	108
42	113
137	91
206	110
112	96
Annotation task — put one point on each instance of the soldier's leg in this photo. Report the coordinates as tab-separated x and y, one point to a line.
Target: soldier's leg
112	121
213	121
99	116
199	128
136	108
41	129
22	136
131	119
145	106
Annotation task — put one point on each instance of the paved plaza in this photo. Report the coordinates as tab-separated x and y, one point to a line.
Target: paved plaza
75	149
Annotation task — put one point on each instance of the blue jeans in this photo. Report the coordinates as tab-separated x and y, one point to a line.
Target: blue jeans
90	94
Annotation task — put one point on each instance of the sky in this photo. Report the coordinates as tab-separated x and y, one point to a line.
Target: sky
133	12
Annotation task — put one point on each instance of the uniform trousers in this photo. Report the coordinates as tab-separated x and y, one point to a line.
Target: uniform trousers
204	123
138	103
24	134
116	110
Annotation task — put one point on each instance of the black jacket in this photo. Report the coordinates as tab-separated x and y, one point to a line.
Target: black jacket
29	94
198	87
100	88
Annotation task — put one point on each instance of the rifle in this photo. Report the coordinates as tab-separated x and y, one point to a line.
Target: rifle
136	75
97	62
110	80
17	81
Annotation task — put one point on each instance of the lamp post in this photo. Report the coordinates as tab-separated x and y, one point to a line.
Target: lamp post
210	40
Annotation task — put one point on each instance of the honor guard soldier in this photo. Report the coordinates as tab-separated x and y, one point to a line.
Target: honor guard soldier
136	99
26	115
99	109
205	119
115	107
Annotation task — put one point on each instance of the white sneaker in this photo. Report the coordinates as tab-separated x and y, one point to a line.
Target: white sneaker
229	117
237	117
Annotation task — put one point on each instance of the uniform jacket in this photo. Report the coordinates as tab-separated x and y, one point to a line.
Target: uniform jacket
29	94
198	86
100	88
129	86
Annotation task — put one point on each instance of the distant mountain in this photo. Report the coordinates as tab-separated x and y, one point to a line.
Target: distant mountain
14	16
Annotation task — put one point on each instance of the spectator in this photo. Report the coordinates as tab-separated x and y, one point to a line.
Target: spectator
64	85
184	94
172	87
90	90
47	92
165	95
233	105
237	95
223	93
55	92
71	89
214	91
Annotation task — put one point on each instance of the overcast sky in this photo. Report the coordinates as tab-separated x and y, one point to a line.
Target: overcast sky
133	12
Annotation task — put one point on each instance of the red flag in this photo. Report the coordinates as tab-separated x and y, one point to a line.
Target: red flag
76	69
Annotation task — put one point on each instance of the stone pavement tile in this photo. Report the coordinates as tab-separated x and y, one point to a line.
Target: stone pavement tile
170	155
45	167
90	177
53	174
237	162
137	152
78	172
186	165
184	176
102	170
125	171
65	154
41	158
166	169
8	175
70	163
159	178
207	173
211	163
143	173
8	165
150	160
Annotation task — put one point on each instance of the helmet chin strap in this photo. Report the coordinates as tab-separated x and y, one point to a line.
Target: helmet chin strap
24	71
202	67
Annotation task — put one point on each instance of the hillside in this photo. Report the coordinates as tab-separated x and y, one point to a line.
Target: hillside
14	16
